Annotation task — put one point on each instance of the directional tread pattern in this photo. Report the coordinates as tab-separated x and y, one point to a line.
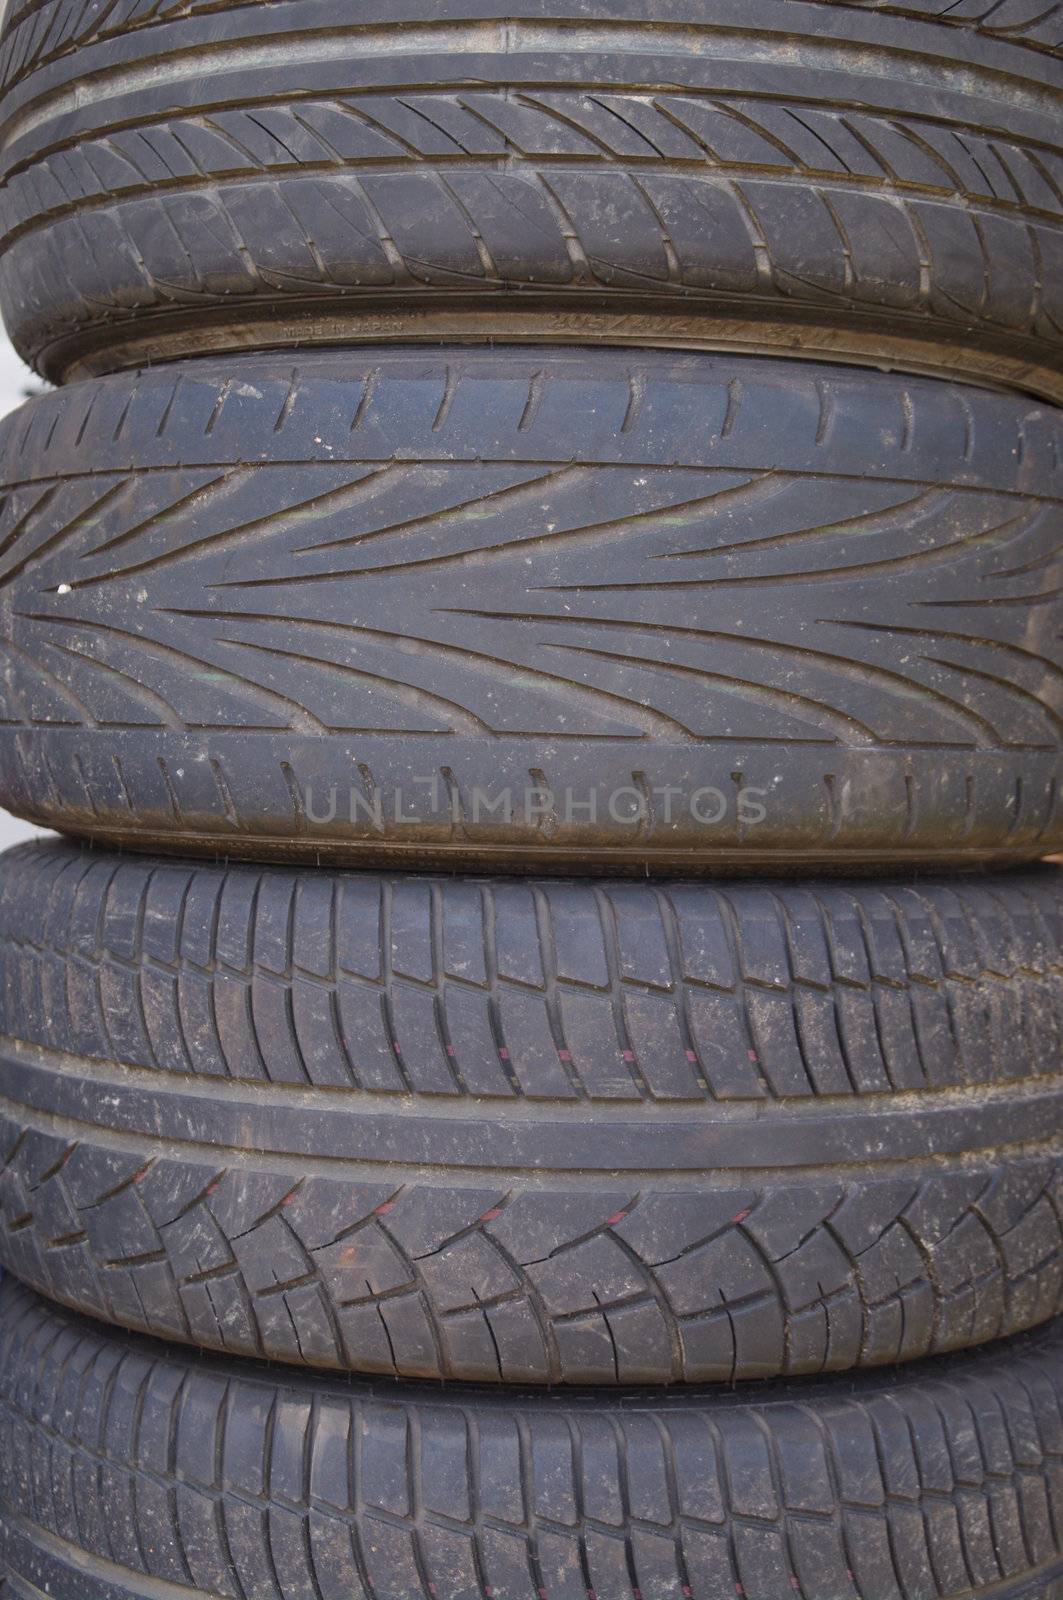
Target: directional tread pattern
510	1284
920	212
120	1461
958	228
751	146
230	594
40	31
432	992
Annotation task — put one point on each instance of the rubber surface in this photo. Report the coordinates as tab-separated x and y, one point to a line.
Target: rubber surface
131	1473
532	1133
37	32
879	183
583	610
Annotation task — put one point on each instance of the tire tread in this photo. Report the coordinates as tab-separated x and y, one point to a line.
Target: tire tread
176	1468
242	975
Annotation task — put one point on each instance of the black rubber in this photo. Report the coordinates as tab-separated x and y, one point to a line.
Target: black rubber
37	32
876	183
532	1132
129	1471
586	611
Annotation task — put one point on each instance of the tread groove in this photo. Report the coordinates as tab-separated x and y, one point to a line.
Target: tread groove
830	1003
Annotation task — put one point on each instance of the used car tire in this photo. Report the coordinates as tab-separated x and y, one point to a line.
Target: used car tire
580	611
37	32
539	1133
870	183
132	1472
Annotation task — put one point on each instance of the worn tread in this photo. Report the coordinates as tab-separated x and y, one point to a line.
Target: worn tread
38	32
434	999
1028	22
557	610
128	1470
874	214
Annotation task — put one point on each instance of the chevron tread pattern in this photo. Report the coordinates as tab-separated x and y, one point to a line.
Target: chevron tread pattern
249	568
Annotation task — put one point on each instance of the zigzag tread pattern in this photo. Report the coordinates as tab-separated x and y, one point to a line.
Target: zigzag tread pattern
146	1465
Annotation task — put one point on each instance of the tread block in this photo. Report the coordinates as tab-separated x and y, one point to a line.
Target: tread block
506	1012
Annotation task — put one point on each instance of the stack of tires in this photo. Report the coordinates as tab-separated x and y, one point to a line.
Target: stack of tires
538	1071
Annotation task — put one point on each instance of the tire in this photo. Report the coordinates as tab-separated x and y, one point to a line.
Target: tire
554	1133
580	612
1025	22
38	32
873	184
131	1472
